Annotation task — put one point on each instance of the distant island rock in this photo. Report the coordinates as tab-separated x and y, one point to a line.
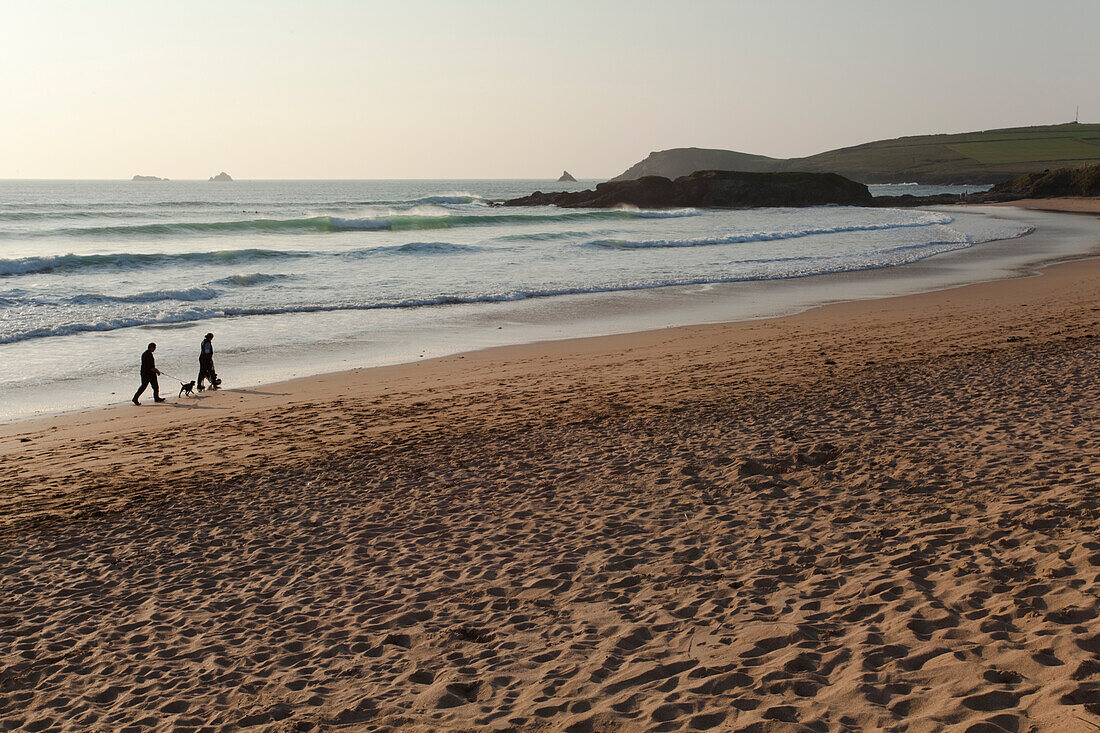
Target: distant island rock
147	178
567	177
223	176
720	189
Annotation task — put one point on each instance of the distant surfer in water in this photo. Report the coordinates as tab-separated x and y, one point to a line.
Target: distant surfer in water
206	363
149	374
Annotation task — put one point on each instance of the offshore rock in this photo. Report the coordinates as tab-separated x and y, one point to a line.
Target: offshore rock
223	176
147	178
566	177
719	189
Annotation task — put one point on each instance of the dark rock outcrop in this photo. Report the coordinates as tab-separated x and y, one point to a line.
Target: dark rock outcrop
1083	181
724	189
941	199
147	178
566	177
223	176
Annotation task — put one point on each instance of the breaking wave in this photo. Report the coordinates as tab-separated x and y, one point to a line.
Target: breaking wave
420	248
816	266
245	281
129	261
330	224
927	220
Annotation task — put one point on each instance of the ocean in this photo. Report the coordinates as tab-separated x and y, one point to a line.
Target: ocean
299	277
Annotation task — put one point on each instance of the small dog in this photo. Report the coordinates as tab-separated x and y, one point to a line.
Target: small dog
187	388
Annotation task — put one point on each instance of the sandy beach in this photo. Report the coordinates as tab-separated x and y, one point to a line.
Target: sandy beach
1065	204
878	515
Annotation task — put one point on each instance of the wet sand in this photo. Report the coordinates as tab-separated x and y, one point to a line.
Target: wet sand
872	515
1065	204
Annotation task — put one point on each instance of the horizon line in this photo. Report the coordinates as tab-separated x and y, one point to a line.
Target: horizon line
262	180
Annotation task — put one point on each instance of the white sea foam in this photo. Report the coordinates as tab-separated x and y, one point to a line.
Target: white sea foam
781	268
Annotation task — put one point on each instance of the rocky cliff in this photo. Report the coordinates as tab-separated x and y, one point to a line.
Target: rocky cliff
1083	181
724	189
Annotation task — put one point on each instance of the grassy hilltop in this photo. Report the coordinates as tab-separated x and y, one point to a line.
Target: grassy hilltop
991	156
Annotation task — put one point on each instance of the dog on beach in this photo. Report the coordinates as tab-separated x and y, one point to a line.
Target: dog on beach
187	388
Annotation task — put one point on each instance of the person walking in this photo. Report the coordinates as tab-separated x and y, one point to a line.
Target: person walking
206	363
149	374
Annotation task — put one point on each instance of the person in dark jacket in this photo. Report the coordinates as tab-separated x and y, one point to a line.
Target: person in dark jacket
149	374
206	363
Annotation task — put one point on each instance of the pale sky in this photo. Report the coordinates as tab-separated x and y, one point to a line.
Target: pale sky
480	89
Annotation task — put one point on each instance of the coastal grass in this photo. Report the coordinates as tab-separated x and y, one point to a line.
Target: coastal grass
1028	150
990	156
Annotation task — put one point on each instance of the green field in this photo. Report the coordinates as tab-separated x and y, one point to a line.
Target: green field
1019	150
991	156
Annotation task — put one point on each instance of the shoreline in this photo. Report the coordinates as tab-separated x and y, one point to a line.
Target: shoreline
325	385
598	314
501	354
1064	204
872	514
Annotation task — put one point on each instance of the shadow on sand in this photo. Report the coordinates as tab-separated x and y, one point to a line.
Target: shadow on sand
192	406
258	392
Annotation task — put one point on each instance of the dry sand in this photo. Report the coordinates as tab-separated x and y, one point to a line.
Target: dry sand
870	516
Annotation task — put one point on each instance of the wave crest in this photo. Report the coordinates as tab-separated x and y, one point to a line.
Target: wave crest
426	248
152	296
458	198
69	262
330	224
246	281
929	220
127	261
